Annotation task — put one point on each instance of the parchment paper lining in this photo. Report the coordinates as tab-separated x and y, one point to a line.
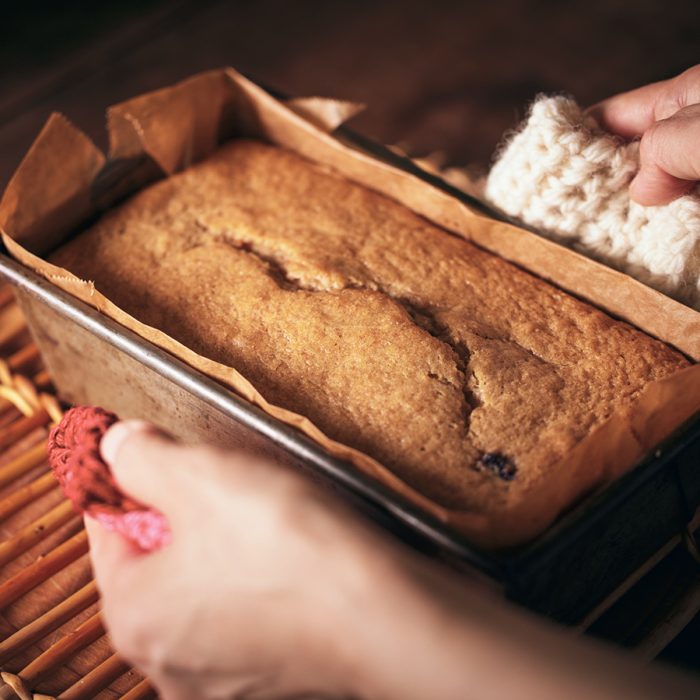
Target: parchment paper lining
64	181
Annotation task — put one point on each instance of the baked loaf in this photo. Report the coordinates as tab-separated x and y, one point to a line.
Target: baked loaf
463	374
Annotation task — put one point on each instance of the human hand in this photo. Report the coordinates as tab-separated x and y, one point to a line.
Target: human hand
270	588
666	115
256	594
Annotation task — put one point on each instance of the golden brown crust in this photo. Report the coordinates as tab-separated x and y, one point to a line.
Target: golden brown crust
463	374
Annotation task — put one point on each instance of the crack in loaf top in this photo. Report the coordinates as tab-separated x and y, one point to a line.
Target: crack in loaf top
463	374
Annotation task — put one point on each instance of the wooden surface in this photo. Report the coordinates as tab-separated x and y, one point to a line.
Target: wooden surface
437	76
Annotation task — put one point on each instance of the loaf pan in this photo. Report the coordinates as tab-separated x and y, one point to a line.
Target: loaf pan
567	573
570	571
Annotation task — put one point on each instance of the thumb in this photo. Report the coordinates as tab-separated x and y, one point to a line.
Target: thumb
141	458
653	186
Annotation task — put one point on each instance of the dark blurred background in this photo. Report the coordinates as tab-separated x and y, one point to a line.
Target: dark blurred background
437	76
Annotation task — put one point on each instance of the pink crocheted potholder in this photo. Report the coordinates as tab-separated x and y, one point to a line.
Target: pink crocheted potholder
74	457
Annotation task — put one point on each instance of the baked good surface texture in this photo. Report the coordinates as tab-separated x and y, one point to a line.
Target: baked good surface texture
463	374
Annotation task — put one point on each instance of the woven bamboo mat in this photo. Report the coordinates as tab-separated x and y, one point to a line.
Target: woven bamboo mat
52	641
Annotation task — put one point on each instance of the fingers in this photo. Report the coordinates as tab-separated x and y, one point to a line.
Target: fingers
669	158
666	115
109	548
653	187
109	554
142	459
630	114
133	589
138	455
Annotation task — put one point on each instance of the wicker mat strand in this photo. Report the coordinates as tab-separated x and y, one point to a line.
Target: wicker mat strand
52	641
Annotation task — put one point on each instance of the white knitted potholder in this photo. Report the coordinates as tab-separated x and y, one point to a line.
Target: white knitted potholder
562	174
